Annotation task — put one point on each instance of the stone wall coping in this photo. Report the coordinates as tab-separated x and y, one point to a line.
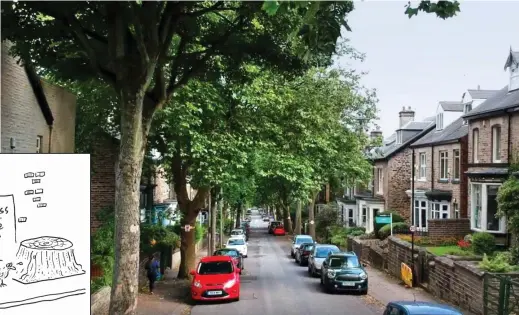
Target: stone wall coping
406	244
462	264
449	220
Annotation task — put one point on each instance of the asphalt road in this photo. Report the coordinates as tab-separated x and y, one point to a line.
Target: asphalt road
273	284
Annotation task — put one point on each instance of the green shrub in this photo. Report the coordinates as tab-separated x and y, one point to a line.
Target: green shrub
102	249
499	263
385	231
200	231
156	238
483	243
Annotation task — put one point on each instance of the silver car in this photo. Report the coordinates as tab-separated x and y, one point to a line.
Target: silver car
298	240
318	256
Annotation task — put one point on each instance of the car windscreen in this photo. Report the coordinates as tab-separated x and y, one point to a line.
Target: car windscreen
322	252
215	267
301	240
236	241
346	262
231	253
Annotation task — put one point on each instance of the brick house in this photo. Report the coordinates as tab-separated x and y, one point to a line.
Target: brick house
35	116
440	184
493	143
392	171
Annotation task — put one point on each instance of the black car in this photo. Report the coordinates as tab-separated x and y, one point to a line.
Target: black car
303	252
273	225
235	254
344	272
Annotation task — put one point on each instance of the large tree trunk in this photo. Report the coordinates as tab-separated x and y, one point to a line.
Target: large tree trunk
311	214
287	220
214	213
134	132
279	215
298	218
238	215
222	220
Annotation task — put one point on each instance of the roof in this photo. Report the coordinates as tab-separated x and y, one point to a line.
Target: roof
500	101
450	106
415	125
391	148
513	56
481	94
454	131
37	88
215	258
427	308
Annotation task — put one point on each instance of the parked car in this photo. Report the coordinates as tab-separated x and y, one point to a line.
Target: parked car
279	231
303	252
418	308
272	225
298	240
266	219
344	272
234	253
317	257
238	233
216	278
239	244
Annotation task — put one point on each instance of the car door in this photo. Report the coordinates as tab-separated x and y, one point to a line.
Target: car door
311	257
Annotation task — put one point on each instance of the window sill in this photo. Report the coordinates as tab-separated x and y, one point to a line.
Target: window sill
487	231
443	181
455	181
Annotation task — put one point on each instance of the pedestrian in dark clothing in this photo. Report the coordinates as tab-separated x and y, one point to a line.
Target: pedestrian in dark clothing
152	268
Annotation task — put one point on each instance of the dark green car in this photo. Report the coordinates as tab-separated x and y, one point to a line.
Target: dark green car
344	272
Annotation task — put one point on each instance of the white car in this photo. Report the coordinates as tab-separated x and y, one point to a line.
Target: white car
298	240
239	244
238	233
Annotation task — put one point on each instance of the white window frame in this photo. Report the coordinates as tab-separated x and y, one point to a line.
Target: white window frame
444	165
421	211
456	208
39	144
456	155
380	179
475	146
364	216
439	121
422	173
496	144
483	212
440	210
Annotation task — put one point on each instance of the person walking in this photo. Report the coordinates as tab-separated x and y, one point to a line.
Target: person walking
152	268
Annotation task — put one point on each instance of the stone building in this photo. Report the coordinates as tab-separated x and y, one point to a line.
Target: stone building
35	116
493	144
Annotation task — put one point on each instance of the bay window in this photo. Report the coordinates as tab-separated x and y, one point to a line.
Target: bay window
484	208
420	215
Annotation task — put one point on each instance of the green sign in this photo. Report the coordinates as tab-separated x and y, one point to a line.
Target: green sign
383	219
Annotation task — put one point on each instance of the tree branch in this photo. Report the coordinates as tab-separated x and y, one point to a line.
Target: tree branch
139	34
213	8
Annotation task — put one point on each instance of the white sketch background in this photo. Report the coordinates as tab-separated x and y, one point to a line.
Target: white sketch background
66	191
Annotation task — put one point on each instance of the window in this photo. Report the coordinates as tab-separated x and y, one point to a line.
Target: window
420	215
476	205
456	164
39	144
380	180
475	146
342	213
439	210
484	208
364	215
496	144
456	210
350	217
514	77
493	222
423	166
468	108
439	121
444	165
399	137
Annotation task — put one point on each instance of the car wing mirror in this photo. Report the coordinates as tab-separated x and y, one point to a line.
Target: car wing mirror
192	272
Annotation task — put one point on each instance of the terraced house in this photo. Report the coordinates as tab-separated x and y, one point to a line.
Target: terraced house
493	144
440	163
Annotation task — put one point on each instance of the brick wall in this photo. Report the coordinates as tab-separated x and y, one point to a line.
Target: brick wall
443	228
398	181
485	137
22	118
103	163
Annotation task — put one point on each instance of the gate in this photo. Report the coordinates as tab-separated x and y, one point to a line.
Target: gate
501	294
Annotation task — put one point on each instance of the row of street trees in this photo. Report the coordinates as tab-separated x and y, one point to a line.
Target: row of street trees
232	94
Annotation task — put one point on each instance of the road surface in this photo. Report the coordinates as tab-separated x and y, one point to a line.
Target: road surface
273	284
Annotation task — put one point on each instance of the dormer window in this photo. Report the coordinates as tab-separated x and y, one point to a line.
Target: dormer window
439	121
399	137
468	108
514	76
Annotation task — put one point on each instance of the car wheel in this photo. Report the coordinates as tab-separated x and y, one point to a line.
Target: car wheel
292	255
301	263
309	270
322	280
313	272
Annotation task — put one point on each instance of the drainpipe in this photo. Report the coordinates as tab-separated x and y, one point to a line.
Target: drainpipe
432	167
509	142
412	216
50	139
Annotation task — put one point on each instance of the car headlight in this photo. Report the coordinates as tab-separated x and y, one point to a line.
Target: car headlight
197	284
229	284
331	274
363	276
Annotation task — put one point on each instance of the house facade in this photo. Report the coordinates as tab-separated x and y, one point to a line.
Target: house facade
35	116
493	144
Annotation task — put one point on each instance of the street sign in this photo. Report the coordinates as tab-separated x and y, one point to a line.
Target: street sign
187	227
312	222
412	228
383	219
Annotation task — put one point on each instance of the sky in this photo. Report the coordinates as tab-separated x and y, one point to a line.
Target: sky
420	61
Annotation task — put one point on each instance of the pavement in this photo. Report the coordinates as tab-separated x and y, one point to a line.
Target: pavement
272	283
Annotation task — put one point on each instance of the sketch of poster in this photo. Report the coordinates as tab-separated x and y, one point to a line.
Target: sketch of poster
45	234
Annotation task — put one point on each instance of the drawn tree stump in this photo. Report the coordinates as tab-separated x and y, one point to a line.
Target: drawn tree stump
47	258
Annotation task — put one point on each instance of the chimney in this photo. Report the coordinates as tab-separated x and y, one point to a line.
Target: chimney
479	87
376	133
406	115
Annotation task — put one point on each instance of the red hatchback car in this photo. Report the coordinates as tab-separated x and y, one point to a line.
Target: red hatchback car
216	278
279	231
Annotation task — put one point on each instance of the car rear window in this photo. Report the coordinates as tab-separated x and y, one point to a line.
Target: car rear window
215	267
308	247
322	252
301	240
236	241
